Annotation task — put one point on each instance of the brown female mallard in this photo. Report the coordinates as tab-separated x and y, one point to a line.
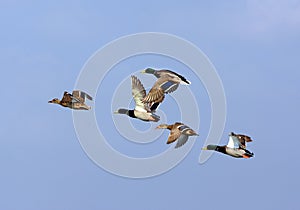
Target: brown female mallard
236	146
179	132
167	82
76	100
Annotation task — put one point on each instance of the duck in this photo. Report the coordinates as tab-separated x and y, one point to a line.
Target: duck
236	146
167	82
178	132
142	111
76	100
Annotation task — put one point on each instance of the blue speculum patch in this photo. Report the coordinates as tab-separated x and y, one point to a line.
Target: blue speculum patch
167	85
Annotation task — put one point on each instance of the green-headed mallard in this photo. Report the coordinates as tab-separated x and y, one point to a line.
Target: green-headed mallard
179	132
236	146
142	111
76	100
167	82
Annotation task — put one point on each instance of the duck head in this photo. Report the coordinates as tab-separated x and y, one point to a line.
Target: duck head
121	111
54	101
210	147
148	71
162	126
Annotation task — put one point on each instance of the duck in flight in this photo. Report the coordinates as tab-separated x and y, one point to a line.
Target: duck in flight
142	111
236	146
167	82
76	100
178	132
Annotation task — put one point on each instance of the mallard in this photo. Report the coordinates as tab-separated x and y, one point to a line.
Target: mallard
179	132
76	100
167	82
236	146
142	111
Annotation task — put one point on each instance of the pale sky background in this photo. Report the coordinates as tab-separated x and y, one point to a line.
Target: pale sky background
255	48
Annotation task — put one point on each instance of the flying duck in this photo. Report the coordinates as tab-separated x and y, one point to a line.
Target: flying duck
167	82
179	132
142	111
76	100
236	146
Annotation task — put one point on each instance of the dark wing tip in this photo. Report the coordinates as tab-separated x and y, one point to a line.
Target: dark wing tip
180	76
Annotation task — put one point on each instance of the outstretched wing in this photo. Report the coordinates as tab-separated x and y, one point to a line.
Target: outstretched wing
233	142
243	139
138	93
186	130
155	95
174	135
67	98
181	140
169	86
172	73
163	84
154	106
79	96
168	83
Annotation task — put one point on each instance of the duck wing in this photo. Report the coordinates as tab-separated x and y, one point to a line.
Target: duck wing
154	106
138	93
233	142
164	84
163	72
155	95
168	83
67	98
80	96
243	139
169	86
181	140
186	130
174	135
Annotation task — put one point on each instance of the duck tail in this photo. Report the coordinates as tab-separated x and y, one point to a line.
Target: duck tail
154	117
248	154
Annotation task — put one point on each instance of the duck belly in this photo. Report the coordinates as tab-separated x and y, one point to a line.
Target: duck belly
237	153
80	106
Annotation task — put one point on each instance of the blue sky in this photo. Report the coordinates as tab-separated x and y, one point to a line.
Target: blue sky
254	46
